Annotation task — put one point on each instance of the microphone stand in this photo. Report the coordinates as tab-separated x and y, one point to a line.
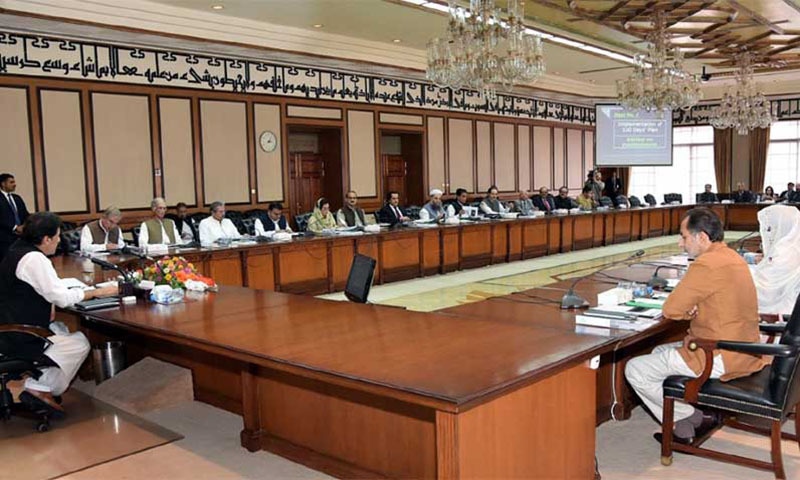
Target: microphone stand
740	242
658	282
126	284
573	300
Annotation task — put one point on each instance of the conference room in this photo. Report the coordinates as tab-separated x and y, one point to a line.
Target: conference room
399	239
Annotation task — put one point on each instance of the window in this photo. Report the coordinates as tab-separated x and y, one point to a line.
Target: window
783	159
692	167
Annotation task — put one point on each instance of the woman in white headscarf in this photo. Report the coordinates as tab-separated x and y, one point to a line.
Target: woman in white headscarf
777	276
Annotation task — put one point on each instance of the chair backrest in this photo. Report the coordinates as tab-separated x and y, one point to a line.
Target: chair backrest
70	241
359	280
651	200
249	224
606	202
784	385
301	221
413	212
476	203
258	213
673	197
198	217
68	225
135	231
620	200
634	200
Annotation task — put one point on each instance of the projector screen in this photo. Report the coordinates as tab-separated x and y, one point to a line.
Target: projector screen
632	137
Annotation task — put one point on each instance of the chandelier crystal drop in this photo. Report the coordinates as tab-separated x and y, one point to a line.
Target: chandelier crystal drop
659	80
481	51
744	107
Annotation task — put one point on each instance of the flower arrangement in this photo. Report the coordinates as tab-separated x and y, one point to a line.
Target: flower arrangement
172	271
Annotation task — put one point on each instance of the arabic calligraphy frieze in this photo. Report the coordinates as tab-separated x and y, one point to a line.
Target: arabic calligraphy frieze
24	54
782	109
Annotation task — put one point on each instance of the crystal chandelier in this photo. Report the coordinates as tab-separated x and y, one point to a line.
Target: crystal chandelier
659	80
480	51
744	108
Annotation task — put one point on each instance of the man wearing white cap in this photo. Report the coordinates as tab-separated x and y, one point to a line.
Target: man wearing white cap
433	210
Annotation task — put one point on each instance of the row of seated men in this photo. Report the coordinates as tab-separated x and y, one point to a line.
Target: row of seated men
742	195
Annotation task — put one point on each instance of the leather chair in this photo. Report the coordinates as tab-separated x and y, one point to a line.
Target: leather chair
17	363
650	199
620	200
412	212
673	197
758	403
70	241
249	224
606	202
301	221
258	213
135	231
634	201
236	218
68	226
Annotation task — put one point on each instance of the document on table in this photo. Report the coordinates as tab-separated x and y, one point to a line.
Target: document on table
75	283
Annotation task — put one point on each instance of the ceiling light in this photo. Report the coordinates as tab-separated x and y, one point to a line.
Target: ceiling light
217	7
396	40
318	25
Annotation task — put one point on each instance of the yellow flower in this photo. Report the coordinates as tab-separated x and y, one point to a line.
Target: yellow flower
168	277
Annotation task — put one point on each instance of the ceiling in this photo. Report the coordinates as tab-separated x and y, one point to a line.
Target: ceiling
361	34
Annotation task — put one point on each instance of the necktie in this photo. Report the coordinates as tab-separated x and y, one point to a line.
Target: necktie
13	209
547	204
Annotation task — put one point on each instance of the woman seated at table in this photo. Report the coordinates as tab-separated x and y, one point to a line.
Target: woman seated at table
777	276
322	218
769	195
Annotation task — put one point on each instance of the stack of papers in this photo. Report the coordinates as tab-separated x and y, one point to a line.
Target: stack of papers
623	317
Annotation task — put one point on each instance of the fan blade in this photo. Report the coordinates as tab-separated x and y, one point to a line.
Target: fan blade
604	69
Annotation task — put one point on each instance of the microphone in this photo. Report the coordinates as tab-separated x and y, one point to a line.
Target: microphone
110	266
740	242
573	300
136	252
658	282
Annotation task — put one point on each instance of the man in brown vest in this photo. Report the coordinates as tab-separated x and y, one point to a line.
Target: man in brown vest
159	230
104	233
718	299
350	215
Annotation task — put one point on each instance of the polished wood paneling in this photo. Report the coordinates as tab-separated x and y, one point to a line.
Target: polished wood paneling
499	243
261	269
226	268
514	242
400	256
742	217
431	252
622	227
451	252
476	246
303	267
341	254
582	232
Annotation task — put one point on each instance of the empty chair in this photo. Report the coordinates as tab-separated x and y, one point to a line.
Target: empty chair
412	212
651	200
606	202
301	221
70	241
249	224
634	201
359	281
621	200
673	197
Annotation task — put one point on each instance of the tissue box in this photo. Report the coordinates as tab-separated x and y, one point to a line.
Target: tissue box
614	296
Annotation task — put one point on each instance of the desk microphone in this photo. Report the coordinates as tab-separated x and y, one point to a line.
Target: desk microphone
658	282
136	252
573	300
110	266
740	242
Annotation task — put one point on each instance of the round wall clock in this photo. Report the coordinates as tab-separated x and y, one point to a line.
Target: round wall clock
268	141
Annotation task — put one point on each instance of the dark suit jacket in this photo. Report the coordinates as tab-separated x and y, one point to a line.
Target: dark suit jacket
7	236
539	202
387	215
269	225
743	197
613	188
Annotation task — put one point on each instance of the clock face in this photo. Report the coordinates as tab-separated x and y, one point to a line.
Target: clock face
268	141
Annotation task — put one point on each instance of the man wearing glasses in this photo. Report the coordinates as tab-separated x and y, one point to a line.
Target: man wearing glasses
350	215
104	233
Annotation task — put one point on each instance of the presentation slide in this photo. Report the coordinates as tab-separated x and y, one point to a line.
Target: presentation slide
632	137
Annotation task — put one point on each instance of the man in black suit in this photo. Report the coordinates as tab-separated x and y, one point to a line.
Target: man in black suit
12	213
563	201
788	193
741	195
391	212
614	186
707	196
544	201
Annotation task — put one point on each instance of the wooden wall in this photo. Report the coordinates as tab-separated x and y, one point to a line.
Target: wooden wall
77	147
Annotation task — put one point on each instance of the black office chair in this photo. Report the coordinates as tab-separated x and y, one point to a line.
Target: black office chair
412	212
606	202
237	219
634	201
249	224
673	197
135	232
758	403
68	226
476	202
620	200
651	200
359	281
22	355
258	213
70	241
301	221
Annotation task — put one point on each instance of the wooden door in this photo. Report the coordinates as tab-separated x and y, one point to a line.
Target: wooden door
307	174
394	175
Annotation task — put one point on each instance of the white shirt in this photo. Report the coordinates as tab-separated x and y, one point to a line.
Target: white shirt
451	211
37	270
398	214
342	220
9	198
259	227
144	234
212	230
488	210
88	245
186	232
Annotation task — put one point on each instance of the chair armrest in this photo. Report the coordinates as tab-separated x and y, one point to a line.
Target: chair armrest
772	328
32	329
774	349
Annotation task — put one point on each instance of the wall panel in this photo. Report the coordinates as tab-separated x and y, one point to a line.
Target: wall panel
122	149
269	165
504	165
224	142
574	158
461	156
542	157
483	139
361	148
559	157
588	148
435	153
177	150
524	156
62	139
16	141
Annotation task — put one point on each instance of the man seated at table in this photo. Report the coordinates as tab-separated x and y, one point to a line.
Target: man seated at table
350	215
718	298
455	207
524	205
182	221
433	210
708	196
586	199
391	212
563	200
741	195
29	292
104	233
544	201
491	205
217	226
276	222
788	193
159	230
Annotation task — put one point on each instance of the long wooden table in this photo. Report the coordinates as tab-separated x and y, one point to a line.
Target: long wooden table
321	264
